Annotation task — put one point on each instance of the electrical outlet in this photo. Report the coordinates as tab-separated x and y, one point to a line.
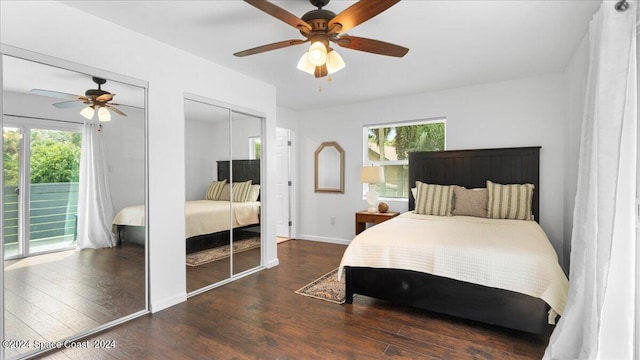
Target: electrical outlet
332	220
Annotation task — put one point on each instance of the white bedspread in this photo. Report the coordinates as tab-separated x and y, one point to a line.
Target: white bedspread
202	216
512	255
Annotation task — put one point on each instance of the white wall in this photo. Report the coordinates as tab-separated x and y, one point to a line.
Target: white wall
200	166
523	112
36	26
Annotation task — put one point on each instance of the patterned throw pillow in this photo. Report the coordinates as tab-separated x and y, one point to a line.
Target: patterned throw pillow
226	193
433	199
469	202
241	191
511	201
215	189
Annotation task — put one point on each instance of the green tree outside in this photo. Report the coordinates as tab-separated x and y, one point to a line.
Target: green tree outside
55	156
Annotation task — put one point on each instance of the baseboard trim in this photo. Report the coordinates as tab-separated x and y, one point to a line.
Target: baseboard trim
168	302
324	239
272	263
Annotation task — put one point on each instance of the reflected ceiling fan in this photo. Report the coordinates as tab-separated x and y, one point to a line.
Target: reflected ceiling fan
91	100
321	27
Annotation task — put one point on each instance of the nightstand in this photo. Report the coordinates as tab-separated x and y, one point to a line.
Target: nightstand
364	217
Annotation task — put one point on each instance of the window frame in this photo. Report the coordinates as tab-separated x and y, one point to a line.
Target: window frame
365	148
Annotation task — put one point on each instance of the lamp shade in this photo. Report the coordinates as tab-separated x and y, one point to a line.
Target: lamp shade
335	62
104	114
372	175
88	112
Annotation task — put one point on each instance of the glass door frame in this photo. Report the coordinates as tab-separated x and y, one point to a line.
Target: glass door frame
26	126
15	52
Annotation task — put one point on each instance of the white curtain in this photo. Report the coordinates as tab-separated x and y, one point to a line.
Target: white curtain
95	208
603	235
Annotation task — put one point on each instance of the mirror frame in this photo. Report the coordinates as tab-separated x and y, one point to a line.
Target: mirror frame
27	55
324	145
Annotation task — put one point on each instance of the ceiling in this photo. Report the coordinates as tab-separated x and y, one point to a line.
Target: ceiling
453	43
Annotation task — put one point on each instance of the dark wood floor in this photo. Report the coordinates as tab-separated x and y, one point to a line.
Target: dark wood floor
260	317
52	296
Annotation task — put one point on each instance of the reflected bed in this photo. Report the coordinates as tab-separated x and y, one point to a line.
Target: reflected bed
208	222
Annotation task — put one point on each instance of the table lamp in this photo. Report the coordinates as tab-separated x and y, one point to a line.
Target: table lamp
372	175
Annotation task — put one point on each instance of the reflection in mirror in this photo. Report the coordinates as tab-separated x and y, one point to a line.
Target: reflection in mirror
329	168
246	133
223	150
207	207
65	175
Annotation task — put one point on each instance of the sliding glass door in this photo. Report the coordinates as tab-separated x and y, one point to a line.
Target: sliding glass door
40	188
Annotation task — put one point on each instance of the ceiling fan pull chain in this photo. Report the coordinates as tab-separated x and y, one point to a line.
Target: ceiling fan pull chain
319	85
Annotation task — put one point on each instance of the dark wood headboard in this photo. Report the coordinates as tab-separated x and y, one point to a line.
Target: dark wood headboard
243	170
472	169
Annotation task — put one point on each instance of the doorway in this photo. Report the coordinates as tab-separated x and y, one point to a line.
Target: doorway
41	172
284	184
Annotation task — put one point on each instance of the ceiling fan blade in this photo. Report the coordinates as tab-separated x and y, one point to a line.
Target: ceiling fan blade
371	46
269	47
358	13
105	97
56	94
69	104
116	110
281	14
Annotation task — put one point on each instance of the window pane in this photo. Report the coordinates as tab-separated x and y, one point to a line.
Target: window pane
392	145
396	181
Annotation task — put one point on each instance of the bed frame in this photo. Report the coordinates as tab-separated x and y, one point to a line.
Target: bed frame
469	168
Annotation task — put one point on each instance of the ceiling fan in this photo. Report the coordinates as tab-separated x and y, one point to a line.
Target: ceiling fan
321	27
91	100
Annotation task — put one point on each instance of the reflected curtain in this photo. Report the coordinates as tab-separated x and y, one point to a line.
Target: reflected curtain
603	235
95	207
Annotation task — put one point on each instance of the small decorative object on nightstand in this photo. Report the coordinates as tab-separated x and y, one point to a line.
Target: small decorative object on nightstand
383	207
364	217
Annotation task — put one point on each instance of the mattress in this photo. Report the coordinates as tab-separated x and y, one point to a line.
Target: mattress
201	216
512	255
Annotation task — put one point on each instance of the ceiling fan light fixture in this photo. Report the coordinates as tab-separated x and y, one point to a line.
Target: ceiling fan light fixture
317	53
88	112
305	65
104	114
335	62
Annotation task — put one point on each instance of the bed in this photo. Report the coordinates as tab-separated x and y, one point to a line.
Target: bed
510	278
208	222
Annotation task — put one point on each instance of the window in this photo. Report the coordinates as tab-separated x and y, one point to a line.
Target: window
255	147
389	145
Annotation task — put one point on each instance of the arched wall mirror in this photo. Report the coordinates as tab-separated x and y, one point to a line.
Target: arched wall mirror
223	147
65	272
329	168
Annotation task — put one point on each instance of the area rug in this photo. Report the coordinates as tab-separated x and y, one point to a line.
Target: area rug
222	252
327	288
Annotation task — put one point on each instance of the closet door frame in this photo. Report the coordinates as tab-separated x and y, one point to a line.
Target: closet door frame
26	55
245	111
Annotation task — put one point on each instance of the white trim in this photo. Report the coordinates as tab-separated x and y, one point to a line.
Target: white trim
305	237
168	302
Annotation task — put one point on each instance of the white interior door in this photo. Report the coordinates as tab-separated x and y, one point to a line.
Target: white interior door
282	195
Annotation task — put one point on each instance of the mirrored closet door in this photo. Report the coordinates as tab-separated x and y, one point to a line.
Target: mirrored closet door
246	132
223	189
73	159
